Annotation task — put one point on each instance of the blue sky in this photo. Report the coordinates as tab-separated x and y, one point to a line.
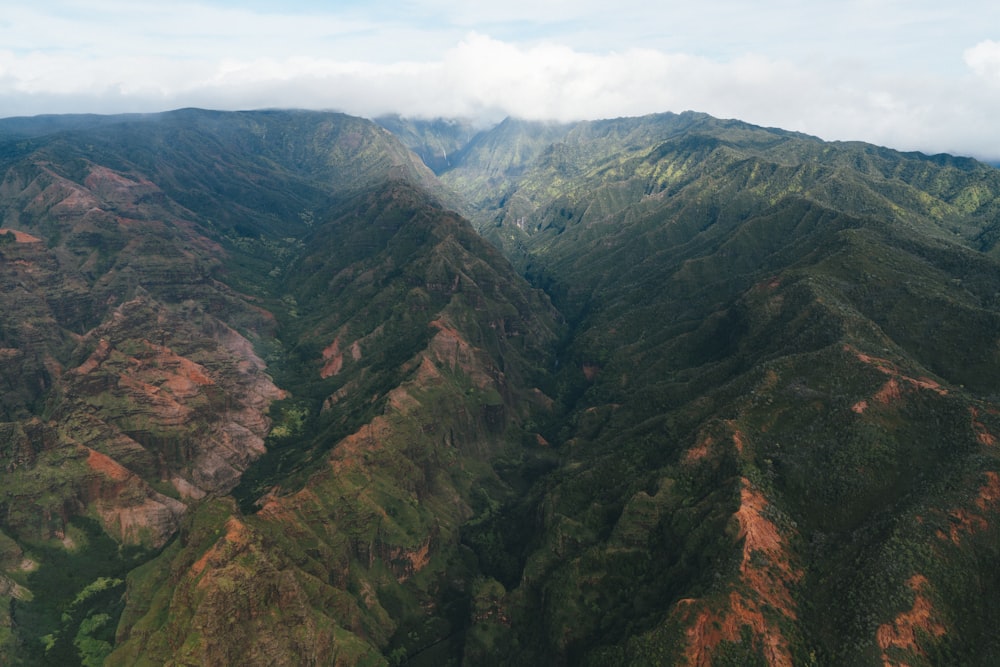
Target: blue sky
913	75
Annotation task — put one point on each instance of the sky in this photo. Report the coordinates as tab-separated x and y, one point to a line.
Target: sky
908	74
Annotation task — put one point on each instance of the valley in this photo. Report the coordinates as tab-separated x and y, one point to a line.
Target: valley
658	390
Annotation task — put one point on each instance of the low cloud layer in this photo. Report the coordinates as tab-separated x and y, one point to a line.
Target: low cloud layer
229	59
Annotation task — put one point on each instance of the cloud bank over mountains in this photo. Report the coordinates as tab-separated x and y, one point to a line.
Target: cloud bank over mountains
912	78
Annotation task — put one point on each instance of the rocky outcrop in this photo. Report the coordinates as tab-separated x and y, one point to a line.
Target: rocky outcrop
761	601
129	509
202	424
902	634
104	294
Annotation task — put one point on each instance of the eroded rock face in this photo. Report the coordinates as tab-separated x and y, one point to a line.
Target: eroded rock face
104	299
382	514
761	601
202	423
378	517
136	393
129	509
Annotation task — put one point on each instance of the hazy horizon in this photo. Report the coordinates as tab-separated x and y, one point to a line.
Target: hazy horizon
911	76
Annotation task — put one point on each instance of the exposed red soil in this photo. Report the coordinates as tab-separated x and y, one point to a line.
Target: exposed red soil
96	358
702	636
161	369
180	376
962	521
706	443
402	401
709	629
767	572
902	632
417	560
761	536
127	507
699	451
162	355
892	390
237	537
20	237
350	452
334	359
71	199
927	383
982	434
102	178
163	391
427	373
445	327
969	521
738	440
450	350
989	493
107	466
889	392
276	509
151	400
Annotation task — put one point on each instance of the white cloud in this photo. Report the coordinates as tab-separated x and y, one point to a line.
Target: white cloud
984	59
860	70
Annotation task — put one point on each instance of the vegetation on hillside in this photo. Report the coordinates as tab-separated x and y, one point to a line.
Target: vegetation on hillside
716	394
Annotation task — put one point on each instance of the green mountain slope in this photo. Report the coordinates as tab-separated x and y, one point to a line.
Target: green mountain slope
159	265
576	176
780	357
268	399
411	340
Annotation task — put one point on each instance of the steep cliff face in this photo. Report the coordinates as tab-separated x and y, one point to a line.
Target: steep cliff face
111	279
131	387
409	389
147	291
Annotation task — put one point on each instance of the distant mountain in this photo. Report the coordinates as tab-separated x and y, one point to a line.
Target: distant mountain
684	391
435	141
27	127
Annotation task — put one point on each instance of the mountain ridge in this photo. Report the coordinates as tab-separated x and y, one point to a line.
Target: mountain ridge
741	408
636	311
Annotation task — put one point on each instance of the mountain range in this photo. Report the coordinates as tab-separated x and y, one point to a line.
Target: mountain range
299	388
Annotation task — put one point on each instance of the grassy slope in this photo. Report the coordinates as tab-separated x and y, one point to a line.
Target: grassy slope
761	321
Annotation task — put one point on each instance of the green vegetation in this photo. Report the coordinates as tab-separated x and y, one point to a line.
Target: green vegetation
742	404
77	595
723	282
